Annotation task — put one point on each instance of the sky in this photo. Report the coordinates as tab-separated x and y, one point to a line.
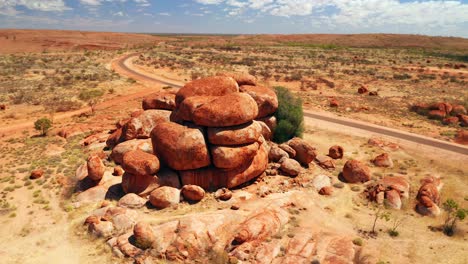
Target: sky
439	18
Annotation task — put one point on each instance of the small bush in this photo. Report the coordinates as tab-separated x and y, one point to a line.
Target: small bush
290	116
43	125
357	241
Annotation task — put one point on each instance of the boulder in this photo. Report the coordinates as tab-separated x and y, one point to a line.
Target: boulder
265	98
276	153
320	181
140	163
462	137
134	144
36	174
240	77
236	135
336	152
141	126
463	120
459	110
139	184
164	197
266	131
132	201
291	152
428	197
210	86
290	167
229	110
451	120
328	190
270	121
118	171
420	108
115	138
363	89
187	107
180	147
143	234
95	167
305	153
383	160
373	93
3	107
193	193
393	199
334	103
325	162
442	106
212	178
161	100
397	183
223	194
229	157
354	171
436	114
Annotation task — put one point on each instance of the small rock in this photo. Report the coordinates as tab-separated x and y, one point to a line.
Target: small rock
144	236
193	193
235	207
132	201
36	174
223	194
336	152
383	160
354	171
328	190
291	152
290	167
276	154
118	171
164	197
96	167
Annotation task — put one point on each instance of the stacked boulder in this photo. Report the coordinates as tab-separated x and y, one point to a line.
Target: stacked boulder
211	133
391	190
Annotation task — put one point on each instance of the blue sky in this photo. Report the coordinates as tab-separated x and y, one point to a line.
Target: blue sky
442	18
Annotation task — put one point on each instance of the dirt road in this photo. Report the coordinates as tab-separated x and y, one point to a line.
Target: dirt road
125	68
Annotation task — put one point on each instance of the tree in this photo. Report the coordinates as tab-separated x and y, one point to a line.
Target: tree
454	213
290	116
43	125
91	97
379	214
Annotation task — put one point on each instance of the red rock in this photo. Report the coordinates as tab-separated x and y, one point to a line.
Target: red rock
124	245
229	157
363	89
96	168
374	93
452	120
240	77
223	194
160	100
266	131
458	110
444	107
36	174
325	162
462	137
291	152
275	154
290	167
436	114
144	236
229	110
210	86
334	103
115	138
336	152
141	185
180	147
134	144
237	135
212	178
3	107
270	121
393	199
428	197
188	106
398	183
140	163
193	193
328	190
164	197
141	126
305	153
118	171
265	98
463	120
355	171
383	160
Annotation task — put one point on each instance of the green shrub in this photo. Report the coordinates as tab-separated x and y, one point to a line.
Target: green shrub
290	116
43	125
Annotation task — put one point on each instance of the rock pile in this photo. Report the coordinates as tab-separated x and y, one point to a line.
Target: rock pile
447	113
211	133
389	191
428	197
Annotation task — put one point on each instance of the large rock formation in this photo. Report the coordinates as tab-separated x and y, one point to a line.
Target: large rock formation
210	86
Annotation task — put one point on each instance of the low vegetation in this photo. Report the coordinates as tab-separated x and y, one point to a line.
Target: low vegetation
290	116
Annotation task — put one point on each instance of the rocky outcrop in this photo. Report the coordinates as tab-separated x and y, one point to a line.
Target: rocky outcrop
119	151
355	172
180	147
265	98
229	157
141	126
210	86
391	191
160	100
140	163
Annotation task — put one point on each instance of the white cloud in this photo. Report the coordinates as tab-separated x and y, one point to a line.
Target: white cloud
99	2
8	6
164	14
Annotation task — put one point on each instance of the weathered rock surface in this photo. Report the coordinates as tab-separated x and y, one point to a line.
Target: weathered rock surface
276	154
320	181
237	135
210	86
383	160
223	194
160	100
193	193
325	162
141	126
144	235
229	110
336	152
229	157
240	77
265	98
188	106
95	167
305	153
115	138
122	148
36	174
132	201
140	184
291	152
354	172
164	197
180	147
428	197
139	162
290	167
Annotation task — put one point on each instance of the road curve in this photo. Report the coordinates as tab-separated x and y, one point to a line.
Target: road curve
323	116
